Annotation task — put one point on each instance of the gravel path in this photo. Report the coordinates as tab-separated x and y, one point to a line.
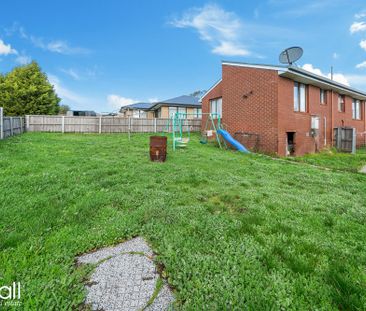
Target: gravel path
125	279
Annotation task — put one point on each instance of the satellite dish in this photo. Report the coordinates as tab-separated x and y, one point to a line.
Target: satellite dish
291	55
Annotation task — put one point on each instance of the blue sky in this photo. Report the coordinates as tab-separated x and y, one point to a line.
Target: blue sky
104	54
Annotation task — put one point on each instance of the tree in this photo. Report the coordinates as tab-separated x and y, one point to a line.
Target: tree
198	93
26	90
63	109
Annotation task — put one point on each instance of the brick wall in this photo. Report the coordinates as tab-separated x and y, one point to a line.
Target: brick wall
345	119
249	103
300	122
259	101
214	93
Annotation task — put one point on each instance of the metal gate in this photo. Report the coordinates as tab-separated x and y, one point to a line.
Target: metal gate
345	139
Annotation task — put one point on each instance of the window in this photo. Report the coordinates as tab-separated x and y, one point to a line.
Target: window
299	97
143	114
172	111
139	114
323	97
135	114
158	113
315	120
216	106
197	113
183	110
356	109
341	104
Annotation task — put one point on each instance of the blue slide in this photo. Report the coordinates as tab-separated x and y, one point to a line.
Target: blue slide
238	146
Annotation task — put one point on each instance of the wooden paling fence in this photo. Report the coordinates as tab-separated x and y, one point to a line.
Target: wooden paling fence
10	126
103	124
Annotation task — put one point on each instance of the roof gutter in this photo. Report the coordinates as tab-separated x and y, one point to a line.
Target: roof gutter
331	85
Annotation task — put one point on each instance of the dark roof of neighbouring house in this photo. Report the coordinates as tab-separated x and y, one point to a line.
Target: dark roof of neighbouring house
184	101
137	106
303	76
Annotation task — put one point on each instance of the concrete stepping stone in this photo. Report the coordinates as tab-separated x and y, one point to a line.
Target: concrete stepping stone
125	279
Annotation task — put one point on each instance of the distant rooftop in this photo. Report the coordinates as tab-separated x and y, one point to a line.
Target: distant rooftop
184	100
139	106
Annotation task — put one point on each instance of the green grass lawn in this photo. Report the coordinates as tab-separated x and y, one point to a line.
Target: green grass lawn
233	231
336	160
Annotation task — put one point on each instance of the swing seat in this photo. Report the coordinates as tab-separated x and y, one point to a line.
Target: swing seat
182	142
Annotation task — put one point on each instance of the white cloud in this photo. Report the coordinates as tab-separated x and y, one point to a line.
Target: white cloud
116	101
62	47
335	55
6	49
23	59
229	49
361	65
363	44
358	81
360	15
292	9
357	26
58	46
216	26
80	74
338	77
153	100
65	93
72	73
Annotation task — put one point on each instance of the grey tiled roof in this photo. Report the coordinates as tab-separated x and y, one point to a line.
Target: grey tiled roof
185	100
142	106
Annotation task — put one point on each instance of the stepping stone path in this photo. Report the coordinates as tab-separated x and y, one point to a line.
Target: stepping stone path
125	279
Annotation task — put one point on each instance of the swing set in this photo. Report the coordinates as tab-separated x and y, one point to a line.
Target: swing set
181	135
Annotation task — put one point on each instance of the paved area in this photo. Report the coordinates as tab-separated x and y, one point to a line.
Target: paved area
125	279
363	169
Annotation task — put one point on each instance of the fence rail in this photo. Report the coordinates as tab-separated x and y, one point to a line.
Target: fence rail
104	124
10	126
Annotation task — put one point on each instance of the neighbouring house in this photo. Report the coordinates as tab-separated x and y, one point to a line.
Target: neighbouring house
81	113
164	109
190	105
138	110
290	110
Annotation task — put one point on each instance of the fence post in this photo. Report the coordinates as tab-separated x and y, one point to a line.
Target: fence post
21	124
354	139
129	128
1	123
27	123
100	124
63	125
154	125
11	126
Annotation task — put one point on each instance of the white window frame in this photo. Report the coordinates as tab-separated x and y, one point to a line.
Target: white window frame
135	114
172	110
143	114
300	97
183	110
216	106
315	122
356	109
323	97
341	103
197	113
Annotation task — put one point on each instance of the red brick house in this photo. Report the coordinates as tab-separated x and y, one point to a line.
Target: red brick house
290	109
